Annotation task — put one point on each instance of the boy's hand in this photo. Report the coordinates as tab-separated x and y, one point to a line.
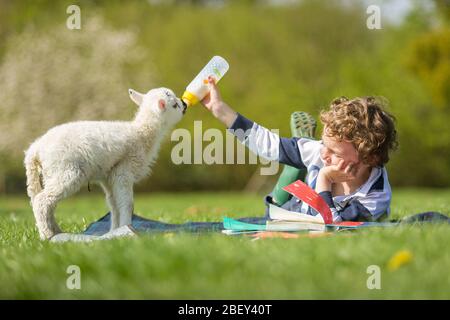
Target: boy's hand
213	102
339	173
335	173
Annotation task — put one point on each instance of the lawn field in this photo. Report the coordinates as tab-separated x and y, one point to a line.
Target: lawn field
215	266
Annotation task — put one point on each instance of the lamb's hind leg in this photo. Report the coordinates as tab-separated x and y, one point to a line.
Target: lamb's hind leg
44	203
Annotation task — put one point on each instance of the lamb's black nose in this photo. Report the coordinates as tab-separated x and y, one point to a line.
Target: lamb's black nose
184	106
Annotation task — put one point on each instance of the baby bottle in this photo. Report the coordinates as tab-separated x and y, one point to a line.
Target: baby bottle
198	88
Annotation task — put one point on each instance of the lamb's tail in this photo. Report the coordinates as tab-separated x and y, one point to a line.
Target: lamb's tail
33	171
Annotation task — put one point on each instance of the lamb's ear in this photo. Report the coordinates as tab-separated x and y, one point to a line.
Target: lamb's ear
136	96
162	104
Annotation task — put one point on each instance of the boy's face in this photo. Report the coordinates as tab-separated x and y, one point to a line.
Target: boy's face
334	151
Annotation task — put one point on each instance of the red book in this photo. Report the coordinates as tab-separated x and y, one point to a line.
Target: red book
302	191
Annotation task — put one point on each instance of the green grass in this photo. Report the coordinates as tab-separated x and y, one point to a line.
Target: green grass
215	266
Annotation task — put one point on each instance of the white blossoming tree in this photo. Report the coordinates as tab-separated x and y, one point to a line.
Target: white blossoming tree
59	76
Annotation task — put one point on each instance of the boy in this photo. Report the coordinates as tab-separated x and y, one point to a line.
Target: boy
346	168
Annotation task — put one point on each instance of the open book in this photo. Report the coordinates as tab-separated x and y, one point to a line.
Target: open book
277	213
281	220
285	220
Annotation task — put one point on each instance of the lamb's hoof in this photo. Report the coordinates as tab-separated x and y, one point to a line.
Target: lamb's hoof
47	236
123	231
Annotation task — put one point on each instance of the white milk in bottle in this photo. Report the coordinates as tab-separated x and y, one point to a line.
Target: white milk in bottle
198	88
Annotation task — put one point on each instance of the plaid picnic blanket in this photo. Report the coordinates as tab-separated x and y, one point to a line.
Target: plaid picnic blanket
140	224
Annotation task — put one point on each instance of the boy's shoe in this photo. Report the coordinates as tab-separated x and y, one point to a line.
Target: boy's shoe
303	125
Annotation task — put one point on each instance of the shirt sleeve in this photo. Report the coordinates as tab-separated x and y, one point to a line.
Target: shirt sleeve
310	152
368	208
267	144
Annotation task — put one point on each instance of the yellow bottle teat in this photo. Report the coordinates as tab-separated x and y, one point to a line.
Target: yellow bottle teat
189	98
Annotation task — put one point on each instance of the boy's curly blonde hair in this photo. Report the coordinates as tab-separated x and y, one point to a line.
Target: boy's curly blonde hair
364	123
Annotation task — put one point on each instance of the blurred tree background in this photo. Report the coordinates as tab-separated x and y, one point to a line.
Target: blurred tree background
284	56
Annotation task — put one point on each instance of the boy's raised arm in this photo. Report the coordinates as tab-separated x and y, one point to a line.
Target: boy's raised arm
258	139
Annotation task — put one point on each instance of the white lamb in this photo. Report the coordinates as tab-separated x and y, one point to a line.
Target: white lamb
114	154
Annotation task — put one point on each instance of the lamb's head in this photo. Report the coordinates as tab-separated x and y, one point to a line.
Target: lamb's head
160	103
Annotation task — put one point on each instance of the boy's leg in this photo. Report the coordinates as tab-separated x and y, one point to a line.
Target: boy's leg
303	125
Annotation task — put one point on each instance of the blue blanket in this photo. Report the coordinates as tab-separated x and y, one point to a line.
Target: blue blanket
141	224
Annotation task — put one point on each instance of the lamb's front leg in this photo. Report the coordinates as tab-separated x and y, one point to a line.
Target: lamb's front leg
114	212
122	190
123	194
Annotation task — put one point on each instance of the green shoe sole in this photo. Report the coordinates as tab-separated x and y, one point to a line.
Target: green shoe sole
303	125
